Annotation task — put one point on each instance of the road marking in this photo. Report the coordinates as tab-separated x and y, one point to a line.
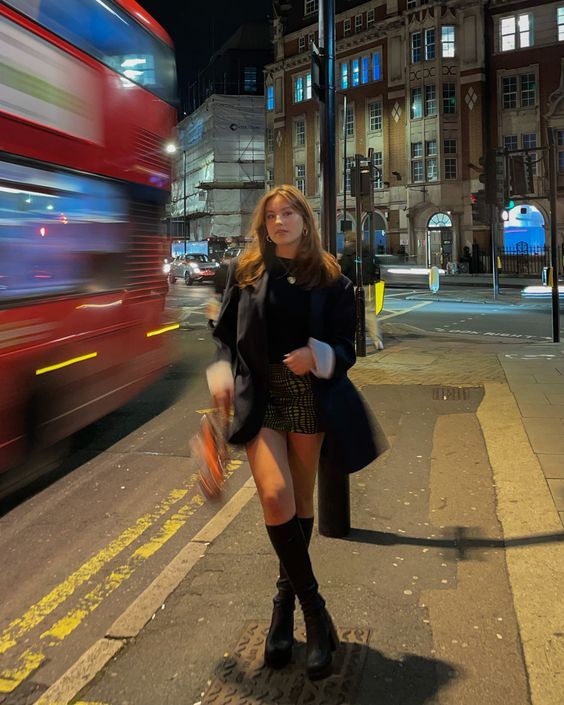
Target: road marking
30	661
37	613
405	310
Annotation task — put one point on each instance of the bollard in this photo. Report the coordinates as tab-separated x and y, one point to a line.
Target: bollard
333	500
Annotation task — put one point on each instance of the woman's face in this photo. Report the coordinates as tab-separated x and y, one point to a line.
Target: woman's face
284	225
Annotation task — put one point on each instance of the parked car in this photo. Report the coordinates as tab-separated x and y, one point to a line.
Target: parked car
192	268
232	252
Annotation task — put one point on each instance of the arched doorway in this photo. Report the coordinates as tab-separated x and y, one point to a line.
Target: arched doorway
524	227
380	242
439	240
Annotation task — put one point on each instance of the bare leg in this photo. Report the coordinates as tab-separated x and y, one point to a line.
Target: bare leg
303	457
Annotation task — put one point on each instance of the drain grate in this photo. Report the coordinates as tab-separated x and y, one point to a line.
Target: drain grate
451	394
243	679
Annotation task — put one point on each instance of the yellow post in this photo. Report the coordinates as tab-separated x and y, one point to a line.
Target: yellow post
379	296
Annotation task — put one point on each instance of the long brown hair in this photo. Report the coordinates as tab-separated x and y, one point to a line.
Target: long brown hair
314	266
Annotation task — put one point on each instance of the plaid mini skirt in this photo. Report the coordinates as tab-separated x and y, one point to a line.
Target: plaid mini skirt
290	405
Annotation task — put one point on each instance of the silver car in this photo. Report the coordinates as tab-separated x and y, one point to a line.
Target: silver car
192	268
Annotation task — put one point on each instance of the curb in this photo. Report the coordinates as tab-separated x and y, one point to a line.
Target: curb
145	605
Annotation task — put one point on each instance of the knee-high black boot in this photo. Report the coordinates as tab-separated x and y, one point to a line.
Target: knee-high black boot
280	638
289	543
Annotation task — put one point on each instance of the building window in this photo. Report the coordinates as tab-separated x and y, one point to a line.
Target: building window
376	66
447	42
301	44
516	32
450	168
270	98
344	75
560	23
416	103
510	142
431	160
269	139
347	26
299	133
417	173
378	171
311	6
449	146
430	100
365	69
348	166
449	98
375	116
355	72
429	44
529	141
370	18
301	177
358	23
415	47
519	91
528	90
269	178
302	88
509	85
560	145
349	122
250	79
310	39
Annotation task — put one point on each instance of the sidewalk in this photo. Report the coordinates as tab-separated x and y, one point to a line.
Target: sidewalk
448	589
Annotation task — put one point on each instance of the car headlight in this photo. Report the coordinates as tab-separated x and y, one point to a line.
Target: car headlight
166	268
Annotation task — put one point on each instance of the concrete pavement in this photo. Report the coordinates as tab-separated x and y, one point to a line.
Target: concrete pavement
449	588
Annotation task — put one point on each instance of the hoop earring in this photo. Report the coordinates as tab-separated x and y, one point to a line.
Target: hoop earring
268	238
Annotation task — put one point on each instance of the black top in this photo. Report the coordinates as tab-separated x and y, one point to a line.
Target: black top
287	312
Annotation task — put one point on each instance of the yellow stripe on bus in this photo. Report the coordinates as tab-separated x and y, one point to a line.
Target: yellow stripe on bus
66	363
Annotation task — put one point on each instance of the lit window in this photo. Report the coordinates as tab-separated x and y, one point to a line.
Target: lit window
298	89
308	87
430	100
250	79
516	32
449	98
347	26
365	69
447	42
376	66
370	18
430	44
358	23
344	75
560	23
415	47
270	98
416	103
416	149
355	66
431	167
375	116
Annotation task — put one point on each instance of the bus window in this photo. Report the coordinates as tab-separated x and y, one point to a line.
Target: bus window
59	233
107	33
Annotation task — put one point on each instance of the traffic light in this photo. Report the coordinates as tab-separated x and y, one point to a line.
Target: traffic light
521	173
480	209
494	177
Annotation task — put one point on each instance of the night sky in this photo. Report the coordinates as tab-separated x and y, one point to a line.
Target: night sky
200	28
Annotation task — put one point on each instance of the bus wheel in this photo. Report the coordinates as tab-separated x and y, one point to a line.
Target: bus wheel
188	279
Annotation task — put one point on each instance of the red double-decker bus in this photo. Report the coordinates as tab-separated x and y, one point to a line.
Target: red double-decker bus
87	93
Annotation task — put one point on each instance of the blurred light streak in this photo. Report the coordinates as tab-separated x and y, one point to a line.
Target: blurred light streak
66	363
173	326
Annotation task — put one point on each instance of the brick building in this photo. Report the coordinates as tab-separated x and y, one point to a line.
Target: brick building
424	92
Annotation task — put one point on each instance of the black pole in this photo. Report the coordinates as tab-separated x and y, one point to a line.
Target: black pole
333	484
184	224
345	167
553	185
359	291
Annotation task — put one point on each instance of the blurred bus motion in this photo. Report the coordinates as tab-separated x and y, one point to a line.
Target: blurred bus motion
87	92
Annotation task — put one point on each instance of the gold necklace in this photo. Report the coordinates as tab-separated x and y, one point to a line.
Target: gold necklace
290	278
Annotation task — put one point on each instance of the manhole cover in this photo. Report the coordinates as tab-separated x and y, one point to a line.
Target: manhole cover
243	679
451	393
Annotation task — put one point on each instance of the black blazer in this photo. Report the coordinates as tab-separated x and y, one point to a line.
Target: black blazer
352	438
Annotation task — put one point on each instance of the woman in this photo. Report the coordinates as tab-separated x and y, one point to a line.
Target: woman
285	339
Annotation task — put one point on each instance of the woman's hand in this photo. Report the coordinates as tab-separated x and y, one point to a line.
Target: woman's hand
300	361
